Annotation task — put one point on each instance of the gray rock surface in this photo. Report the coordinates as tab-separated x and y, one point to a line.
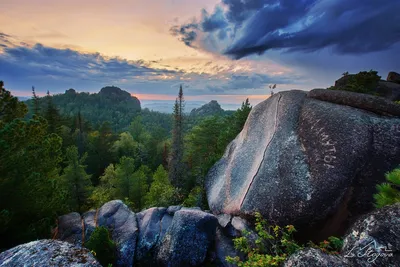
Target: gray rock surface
307	162
224	247
151	232
378	105
70	228
121	221
374	240
312	257
188	239
89	219
389	90
47	253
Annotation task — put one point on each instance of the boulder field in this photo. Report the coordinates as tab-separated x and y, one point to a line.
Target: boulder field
311	159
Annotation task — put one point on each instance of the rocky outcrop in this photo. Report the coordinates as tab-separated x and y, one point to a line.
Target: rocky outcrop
115	216
210	109
373	240
393	77
173	236
46	253
307	162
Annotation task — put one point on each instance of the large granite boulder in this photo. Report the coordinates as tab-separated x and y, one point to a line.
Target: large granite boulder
188	239
46	253
307	161
374	240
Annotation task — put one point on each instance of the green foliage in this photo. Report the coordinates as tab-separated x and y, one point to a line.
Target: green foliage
76	180
161	193
272	245
10	107
364	82
31	194
195	198
106	190
388	193
102	246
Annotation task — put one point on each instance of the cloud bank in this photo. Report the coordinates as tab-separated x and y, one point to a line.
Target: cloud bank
348	27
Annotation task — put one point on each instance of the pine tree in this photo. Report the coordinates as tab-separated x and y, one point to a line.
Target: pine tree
35	100
161	191
388	193
76	180
176	167
10	107
52	115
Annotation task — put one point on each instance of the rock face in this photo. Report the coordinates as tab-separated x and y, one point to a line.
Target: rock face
374	240
312	257
307	162
187	241
47	253
210	109
393	77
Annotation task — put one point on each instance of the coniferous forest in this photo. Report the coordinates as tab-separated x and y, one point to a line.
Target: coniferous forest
76	151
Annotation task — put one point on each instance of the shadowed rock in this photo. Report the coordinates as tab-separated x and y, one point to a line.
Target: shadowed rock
312	257
70	228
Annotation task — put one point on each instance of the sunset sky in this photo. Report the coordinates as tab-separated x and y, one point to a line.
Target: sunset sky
218	49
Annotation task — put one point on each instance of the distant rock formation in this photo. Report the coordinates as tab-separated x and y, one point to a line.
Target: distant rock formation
210	109
309	160
115	93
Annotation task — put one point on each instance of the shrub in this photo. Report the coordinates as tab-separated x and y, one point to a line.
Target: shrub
102	247
273	245
364	82
388	193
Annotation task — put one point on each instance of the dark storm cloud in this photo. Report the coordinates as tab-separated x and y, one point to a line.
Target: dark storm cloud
186	33
214	21
346	26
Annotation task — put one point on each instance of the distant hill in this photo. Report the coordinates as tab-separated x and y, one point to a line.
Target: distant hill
110	104
210	109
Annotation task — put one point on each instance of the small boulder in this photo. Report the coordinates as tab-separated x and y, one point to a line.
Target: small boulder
46	253
188	239
172	209
393	77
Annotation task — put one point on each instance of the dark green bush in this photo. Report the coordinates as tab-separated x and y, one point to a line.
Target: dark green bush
364	82
102	247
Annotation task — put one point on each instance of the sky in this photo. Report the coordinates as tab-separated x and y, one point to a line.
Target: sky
226	50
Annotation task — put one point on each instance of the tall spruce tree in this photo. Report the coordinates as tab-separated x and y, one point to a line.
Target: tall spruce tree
52	116
36	104
176	167
76	180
